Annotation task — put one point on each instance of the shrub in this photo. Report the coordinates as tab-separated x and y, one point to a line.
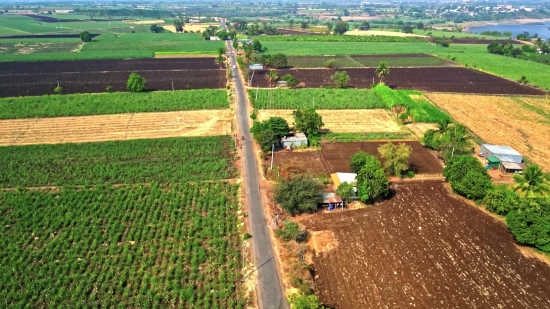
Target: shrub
291	231
501	200
301	301
85	36
109	89
58	90
299	194
410	174
136	83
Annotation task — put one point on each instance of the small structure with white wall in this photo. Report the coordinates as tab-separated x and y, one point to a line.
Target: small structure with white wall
331	201
297	140
503	153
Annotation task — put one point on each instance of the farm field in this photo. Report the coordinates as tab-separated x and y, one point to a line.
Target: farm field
358	120
28	78
318	98
521	122
312	48
422	248
18	24
459	80
165	160
404	60
131	246
111	103
115	127
381	32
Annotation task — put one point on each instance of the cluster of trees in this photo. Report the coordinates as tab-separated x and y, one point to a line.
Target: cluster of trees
215	31
178	24
525	204
156	29
242	26
268	132
272	61
449	138
506	49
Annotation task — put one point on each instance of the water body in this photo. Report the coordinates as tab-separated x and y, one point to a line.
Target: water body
540	28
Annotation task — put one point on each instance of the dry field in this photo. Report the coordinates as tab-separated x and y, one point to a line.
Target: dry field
115	127
424	249
419	128
357	120
520	122
379	32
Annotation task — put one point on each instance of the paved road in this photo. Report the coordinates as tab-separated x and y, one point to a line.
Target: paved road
268	286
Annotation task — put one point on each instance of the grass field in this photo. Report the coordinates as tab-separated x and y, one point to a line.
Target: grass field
358	61
127	246
318	98
111	103
167	160
17	24
347	48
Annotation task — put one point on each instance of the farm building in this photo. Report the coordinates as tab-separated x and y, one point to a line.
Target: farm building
256	66
281	83
332	201
511	167
492	163
215	38
245	41
297	140
339	178
503	153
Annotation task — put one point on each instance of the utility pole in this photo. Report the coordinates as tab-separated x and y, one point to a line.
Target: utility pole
272	152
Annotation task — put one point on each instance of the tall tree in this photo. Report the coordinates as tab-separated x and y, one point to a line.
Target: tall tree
341	27
329	25
345	190
299	194
178	24
382	71
532	182
291	22
272	76
359	160
396	158
304	25
307	121
372	182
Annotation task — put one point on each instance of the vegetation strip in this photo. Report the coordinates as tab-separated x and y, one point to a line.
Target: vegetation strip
137	246
111	103
167	160
340	38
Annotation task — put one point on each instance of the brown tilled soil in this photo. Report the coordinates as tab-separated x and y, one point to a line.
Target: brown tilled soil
338	156
422	249
40	78
439	79
115	127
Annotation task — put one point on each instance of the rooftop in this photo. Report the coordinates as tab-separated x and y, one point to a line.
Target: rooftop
331	198
339	178
513	165
298	137
501	150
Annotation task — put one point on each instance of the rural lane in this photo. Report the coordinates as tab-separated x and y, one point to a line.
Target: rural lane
268	285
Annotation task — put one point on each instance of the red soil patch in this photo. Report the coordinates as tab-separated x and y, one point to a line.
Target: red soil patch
435	79
424	249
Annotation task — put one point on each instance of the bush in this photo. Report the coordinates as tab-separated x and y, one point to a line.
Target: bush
501	200
85	36
291	231
136	83
109	89
299	194
58	90
301	301
410	174
530	222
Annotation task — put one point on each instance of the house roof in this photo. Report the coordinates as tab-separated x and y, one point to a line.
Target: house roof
493	159
298	137
339	178
501	150
256	66
513	165
331	198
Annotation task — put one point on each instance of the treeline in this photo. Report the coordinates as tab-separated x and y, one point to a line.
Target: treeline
341	38
126	12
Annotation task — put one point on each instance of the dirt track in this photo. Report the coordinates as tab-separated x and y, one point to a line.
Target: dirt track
115	127
422	249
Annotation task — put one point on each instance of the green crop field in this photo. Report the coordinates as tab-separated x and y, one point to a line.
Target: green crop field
119	247
23	47
318	98
111	103
347	48
167	160
18	24
366	61
339	38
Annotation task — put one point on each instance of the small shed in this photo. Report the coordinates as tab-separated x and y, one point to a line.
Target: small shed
503	153
338	178
492	163
245	41
215	38
281	83
296	140
256	66
332	201
511	167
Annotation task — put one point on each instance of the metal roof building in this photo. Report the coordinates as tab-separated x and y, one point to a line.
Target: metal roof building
338	178
299	139
503	153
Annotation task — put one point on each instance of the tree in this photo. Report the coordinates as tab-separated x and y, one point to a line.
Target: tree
136	83
467	177
359	160
382	71
272	76
396	158
341	27
298	194
330	26
301	301
532	182
156	29
420	25
307	121
257	46
364	26
178	24
345	190
304	25
340	79
236	46
407	29
530	223
501	200
372	182
345	12
457	167
219	60
86	36
221	51
278	61
291	22
266	139
290	80
278	125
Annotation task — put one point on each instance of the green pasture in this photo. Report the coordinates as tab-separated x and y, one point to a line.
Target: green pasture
347	48
111	103
347	61
17	24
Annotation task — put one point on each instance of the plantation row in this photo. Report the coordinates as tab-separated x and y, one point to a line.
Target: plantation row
317	98
340	38
111	103
417	109
167	160
130	246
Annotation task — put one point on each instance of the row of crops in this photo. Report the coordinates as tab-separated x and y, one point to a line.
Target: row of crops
341	38
317	98
126	246
111	103
167	160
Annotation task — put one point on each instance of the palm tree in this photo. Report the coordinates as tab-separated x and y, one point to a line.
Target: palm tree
382	71
539	43
443	126
272	76
532	182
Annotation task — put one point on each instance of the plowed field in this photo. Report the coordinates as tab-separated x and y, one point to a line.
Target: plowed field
115	127
422	249
440	79
358	120
40	78
520	122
